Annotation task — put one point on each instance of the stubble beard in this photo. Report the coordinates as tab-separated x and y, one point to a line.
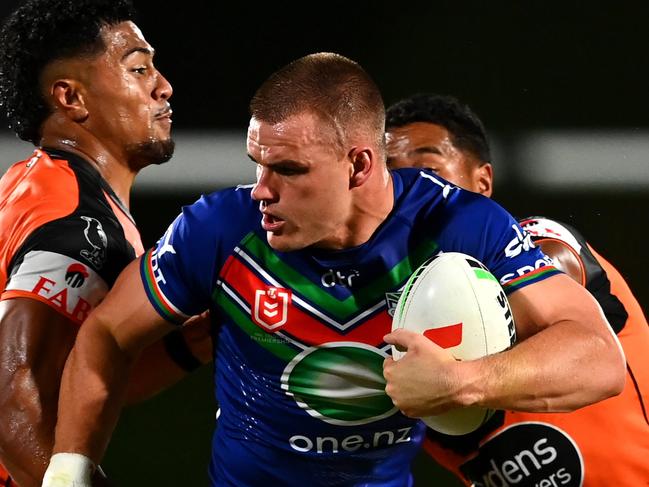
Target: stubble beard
156	152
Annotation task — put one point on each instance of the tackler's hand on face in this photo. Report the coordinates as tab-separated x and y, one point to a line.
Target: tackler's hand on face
424	381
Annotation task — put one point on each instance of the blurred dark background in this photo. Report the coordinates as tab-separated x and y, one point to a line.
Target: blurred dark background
520	65
576	69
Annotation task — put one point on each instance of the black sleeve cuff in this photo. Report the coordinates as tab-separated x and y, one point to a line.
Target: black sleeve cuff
177	349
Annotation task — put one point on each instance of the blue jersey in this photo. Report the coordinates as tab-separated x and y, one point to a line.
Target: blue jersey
300	350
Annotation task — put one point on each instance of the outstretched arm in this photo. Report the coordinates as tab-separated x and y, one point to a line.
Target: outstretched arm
94	381
567	357
35	342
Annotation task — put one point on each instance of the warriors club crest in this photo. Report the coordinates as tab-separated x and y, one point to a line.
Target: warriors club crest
271	307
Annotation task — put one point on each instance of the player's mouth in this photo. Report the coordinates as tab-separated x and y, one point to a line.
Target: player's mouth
164	114
271	223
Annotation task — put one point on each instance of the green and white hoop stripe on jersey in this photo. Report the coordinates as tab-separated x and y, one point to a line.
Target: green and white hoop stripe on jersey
339	383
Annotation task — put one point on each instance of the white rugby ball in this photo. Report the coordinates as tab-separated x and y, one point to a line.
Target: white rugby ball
456	302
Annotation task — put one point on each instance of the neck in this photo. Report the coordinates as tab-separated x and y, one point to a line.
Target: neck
372	204
115	170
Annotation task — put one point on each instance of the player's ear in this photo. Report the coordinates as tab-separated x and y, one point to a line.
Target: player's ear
68	98
362	160
483	178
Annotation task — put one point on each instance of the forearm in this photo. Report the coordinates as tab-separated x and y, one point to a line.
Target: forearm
154	371
93	390
26	431
94	384
36	342
565	367
164	363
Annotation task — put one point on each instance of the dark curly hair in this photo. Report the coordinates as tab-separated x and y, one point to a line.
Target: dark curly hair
464	126
39	32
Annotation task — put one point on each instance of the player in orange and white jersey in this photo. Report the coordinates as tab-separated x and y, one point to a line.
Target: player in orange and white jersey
78	81
606	443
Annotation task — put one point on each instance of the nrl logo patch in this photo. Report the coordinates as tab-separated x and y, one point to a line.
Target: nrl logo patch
391	300
271	307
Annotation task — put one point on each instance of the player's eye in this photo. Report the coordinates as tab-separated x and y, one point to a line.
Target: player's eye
139	70
288	170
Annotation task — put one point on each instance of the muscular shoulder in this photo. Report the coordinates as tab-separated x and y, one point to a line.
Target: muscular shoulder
61	242
423	195
187	259
231	208
34	192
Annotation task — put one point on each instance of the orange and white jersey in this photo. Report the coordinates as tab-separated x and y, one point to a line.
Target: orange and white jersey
5	479
65	236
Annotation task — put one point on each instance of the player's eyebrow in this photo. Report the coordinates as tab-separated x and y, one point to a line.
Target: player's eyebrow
277	163
145	50
426	150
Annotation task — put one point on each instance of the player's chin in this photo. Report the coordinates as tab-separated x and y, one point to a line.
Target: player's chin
165	149
284	241
153	151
